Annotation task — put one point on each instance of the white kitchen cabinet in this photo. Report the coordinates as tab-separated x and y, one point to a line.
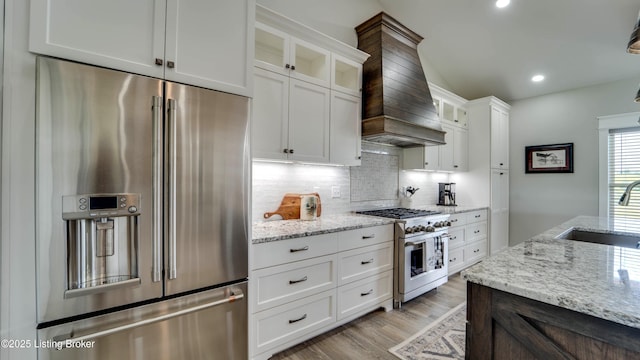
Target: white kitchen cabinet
499	138
290	118
279	52
345	129
203	43
488	159
322	121
499	210
309	121
452	156
304	286
467	239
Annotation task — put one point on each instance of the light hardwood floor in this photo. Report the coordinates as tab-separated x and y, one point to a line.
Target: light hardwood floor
370	336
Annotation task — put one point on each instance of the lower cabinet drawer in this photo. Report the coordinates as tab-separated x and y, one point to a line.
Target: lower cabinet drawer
475	251
456	237
360	263
360	295
284	323
356	238
456	260
280	284
475	231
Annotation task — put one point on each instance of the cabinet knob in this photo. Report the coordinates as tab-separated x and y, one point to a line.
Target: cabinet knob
286	151
159	61
426	163
456	120
359	157
501	173
171	64
501	164
287	66
455	166
293	67
290	151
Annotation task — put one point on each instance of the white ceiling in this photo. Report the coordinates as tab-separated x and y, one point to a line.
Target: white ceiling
479	50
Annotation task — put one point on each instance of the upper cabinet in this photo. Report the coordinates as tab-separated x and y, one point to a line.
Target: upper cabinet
199	42
453	156
307	94
276	51
499	137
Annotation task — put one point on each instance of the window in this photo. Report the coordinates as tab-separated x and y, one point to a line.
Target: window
619	164
623	169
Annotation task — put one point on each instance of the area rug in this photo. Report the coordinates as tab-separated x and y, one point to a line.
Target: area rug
443	339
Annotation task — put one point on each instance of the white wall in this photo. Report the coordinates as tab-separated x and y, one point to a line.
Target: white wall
541	201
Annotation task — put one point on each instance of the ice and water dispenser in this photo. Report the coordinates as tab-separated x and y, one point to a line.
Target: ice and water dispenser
102	241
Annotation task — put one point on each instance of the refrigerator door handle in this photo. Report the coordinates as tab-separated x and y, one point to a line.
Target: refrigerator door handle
171	112
237	294
156	108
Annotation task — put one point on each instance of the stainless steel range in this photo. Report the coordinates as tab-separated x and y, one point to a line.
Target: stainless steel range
421	256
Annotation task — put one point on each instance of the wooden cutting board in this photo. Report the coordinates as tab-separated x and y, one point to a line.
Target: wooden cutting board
290	207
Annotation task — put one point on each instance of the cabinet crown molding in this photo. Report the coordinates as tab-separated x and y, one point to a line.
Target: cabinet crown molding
491	100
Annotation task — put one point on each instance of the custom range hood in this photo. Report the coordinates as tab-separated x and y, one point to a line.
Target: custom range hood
397	104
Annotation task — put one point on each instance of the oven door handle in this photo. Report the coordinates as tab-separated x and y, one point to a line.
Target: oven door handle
414	243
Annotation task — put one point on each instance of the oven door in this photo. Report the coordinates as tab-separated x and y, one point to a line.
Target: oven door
424	262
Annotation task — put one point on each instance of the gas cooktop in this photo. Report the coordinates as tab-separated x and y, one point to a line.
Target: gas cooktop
399	213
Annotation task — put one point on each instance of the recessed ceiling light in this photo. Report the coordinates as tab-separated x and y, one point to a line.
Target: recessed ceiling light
502	3
537	78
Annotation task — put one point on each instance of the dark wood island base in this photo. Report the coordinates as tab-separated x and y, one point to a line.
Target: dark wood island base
501	325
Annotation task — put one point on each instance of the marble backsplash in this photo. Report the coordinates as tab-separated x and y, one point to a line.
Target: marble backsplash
377	183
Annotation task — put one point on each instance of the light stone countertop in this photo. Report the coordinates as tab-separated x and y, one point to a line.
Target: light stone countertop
266	231
575	275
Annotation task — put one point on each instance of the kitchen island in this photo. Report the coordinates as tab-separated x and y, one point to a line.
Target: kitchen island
550	298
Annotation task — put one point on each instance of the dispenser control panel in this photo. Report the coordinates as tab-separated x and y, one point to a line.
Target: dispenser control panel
99	206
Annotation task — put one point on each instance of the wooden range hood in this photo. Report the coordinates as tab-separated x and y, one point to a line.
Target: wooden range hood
397	104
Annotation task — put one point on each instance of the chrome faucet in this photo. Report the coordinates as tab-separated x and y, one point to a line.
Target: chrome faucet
624	199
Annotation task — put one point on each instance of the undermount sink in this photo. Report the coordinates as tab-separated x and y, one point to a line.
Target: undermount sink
628	241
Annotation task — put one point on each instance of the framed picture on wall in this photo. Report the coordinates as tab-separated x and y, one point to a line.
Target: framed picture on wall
554	158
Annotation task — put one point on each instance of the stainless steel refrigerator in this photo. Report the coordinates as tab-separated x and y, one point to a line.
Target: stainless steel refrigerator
142	217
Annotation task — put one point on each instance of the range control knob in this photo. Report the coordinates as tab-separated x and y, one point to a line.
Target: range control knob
430	229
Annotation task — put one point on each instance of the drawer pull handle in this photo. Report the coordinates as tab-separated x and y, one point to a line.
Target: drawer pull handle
367	293
477	216
299	249
454	220
298	319
291	282
368	236
476	232
366	262
454	259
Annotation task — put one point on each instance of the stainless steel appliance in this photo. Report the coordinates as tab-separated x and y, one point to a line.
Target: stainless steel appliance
142	216
421	251
447	194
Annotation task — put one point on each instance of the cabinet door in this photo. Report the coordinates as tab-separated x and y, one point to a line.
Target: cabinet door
460	149
119	34
271	49
211	44
269	126
346	75
446	151
309	115
310	63
499	139
345	129
499	210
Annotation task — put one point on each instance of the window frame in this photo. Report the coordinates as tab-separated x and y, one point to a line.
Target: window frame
606	123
